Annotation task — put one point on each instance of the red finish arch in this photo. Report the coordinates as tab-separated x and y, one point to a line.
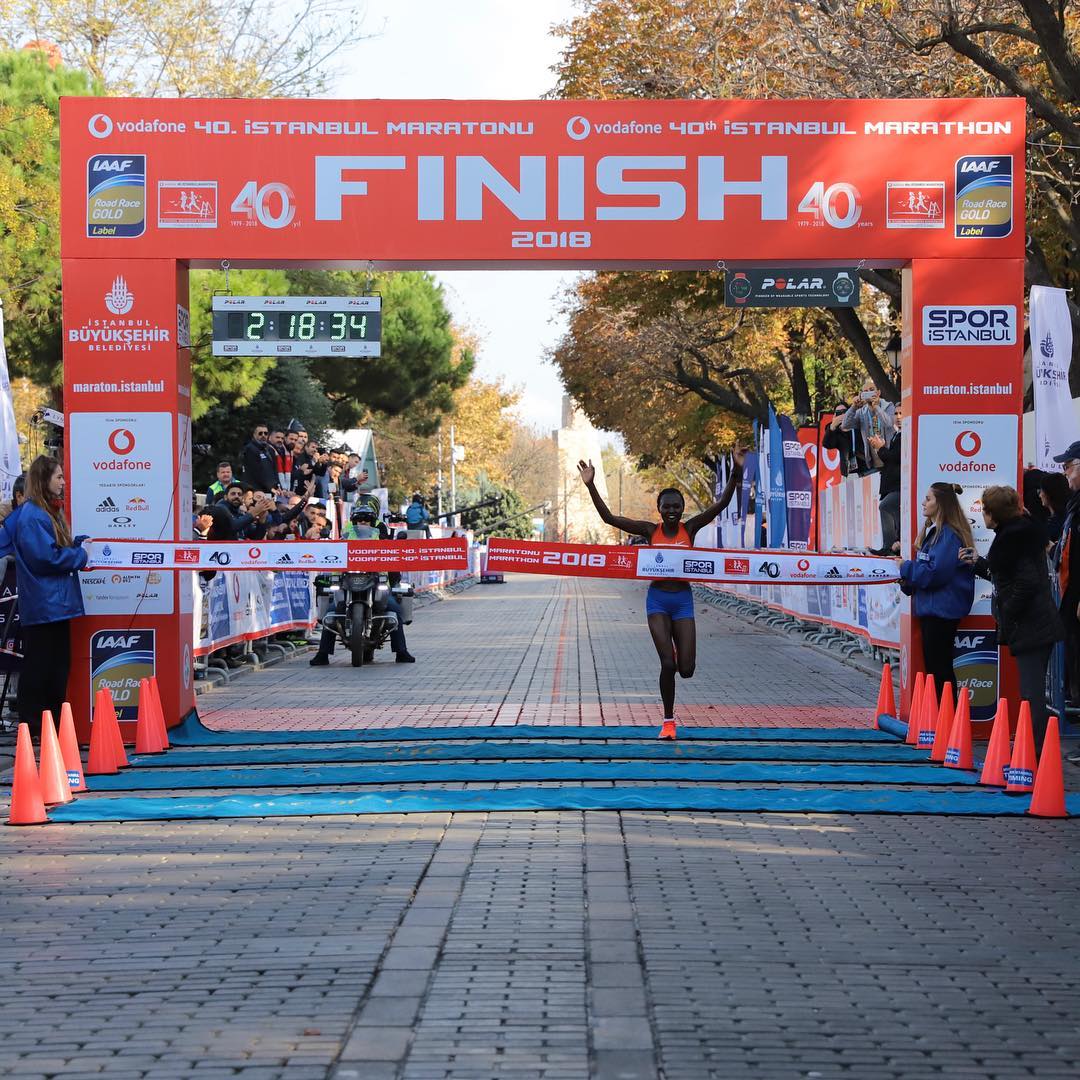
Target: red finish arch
153	187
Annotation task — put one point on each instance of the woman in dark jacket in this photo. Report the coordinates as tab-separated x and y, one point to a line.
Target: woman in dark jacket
47	560
1024	608
1054	496
941	587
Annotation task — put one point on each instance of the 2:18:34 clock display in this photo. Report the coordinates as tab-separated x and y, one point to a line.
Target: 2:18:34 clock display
297	325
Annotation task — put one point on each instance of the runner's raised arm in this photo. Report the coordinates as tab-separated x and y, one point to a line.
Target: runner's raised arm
698	522
628	525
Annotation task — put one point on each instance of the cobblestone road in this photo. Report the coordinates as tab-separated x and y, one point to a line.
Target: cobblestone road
544	945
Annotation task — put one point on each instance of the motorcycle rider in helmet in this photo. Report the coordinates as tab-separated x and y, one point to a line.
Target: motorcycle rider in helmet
365	524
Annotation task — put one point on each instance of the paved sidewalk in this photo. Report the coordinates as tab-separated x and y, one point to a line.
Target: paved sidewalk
544	945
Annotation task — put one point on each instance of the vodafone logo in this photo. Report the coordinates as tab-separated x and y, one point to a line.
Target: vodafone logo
578	128
254	552
803	565
968	444
100	126
121	442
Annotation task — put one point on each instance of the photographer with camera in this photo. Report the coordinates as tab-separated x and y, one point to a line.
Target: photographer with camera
872	420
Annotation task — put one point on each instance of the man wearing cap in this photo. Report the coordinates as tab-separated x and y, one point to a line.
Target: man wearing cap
1066	561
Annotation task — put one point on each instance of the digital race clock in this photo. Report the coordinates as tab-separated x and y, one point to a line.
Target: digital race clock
297	325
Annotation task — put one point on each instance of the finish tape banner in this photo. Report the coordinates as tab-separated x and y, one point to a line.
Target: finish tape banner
328	555
687	564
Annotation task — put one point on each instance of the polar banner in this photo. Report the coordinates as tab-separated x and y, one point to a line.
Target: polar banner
325	555
1056	425
686	564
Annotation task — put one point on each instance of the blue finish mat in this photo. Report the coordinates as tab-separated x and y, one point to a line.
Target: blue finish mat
802	801
491	751
681	771
193	733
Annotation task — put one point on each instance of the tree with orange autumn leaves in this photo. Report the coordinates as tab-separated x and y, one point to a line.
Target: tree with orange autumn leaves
705	371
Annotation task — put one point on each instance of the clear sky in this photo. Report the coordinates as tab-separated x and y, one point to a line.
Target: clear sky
478	49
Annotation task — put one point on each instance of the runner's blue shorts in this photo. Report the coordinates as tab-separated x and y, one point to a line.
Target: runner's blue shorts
677	605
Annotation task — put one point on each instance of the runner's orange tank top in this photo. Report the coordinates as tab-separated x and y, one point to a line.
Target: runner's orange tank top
680	539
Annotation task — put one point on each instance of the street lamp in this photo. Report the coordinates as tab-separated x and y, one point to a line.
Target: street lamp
892	354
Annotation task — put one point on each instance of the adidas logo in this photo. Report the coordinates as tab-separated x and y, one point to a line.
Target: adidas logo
107	507
284	558
832	572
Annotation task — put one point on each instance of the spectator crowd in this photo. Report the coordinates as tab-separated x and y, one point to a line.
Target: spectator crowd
288	488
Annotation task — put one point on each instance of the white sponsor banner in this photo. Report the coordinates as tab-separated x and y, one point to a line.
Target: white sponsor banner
10	465
122	480
108	591
332	555
974	452
794	568
1056	425
278	555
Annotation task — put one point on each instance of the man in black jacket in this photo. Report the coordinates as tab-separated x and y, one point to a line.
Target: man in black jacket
260	461
1067	564
847	444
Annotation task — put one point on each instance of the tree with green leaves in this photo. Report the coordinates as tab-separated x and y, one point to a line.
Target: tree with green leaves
288	392
510	516
420	366
31	86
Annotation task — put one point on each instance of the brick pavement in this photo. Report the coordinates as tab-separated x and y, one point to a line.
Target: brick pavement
544	945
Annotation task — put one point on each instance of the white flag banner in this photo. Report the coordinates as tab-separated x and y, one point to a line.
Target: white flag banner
1056	425
10	466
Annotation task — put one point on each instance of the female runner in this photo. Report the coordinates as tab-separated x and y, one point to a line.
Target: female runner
669	604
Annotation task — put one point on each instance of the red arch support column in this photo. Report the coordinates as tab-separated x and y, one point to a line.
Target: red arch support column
127	396
963	335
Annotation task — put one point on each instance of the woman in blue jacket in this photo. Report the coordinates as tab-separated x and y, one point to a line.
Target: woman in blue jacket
942	588
46	562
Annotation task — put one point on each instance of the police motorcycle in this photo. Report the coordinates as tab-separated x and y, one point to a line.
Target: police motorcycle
361	618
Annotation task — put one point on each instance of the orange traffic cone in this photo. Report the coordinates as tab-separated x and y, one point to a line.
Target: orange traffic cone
1048	798
1022	765
995	771
915	711
886	703
928	720
945	717
147	737
112	725
958	752
159	713
53	775
102	756
69	748
27	806
667	731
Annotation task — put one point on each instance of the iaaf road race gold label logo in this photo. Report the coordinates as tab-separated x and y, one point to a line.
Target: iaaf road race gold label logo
116	195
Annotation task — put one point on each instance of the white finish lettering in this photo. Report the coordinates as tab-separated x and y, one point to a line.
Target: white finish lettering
714	188
331	188
670	194
476	174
